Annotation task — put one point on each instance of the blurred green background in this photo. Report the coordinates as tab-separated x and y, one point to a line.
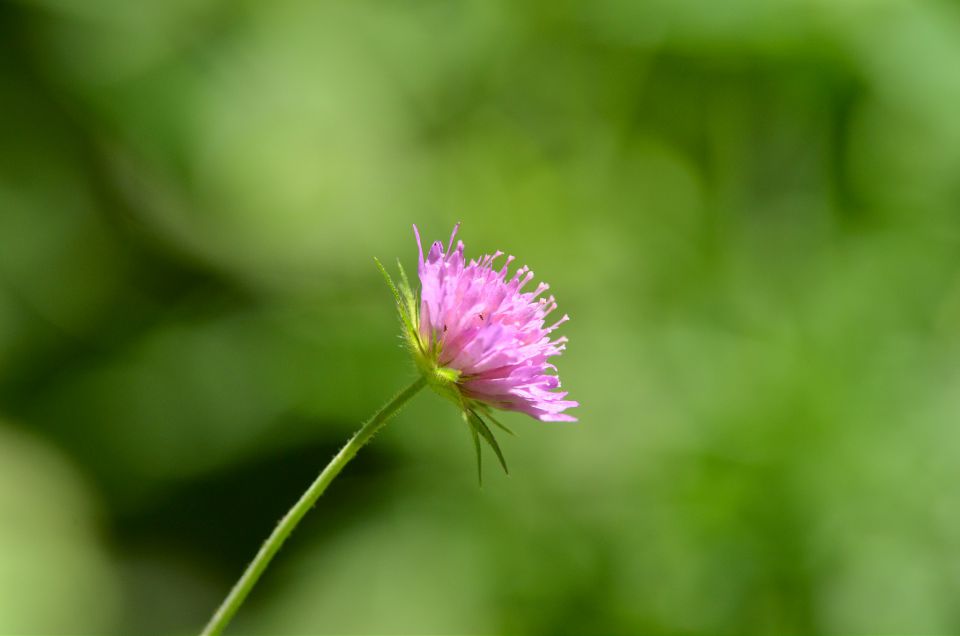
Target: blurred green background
751	211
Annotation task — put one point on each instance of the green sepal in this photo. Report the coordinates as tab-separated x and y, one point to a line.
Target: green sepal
409	297
386	277
406	307
481	427
476	447
488	412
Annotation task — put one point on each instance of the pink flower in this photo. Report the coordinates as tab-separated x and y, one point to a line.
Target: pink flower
480	340
487	334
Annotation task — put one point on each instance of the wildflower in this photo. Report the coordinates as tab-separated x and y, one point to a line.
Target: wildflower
480	340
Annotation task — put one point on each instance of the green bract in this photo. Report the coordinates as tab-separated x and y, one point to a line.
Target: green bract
441	379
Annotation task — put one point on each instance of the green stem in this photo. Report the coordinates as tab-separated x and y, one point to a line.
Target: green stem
270	547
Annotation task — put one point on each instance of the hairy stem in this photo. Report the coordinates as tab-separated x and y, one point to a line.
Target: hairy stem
283	530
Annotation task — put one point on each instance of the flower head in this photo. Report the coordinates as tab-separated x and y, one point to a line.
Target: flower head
475	320
480	339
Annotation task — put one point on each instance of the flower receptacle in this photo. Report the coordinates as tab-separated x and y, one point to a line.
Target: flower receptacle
443	380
